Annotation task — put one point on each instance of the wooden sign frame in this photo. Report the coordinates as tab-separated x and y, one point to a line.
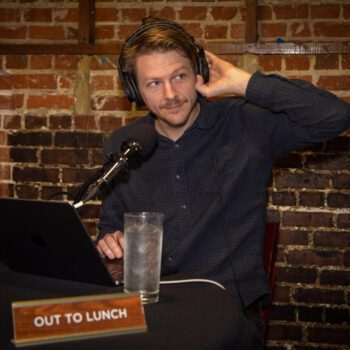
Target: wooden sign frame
65	319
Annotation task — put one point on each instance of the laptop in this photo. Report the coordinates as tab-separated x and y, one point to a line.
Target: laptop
48	238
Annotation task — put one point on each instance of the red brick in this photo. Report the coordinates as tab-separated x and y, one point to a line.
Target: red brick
328	162
335	277
308	219
40	62
66	81
16	61
329	335
18	32
51	101
192	13
293	237
314	257
194	29
66	15
109	123
30	138
215	32
34	81
304	180
223	13
24	155
6	103
72	32
345	61
332	29
333	82
291	11
60	122
133	14
76	175
66	62
325	11
5	172
9	15
270	63
103	32
12	122
85	122
341	181
106	15
296	274
64	156
346	11
35	122
283	198
125	30
37	15
310	314
6	190
164	12
237	32
297	62
30	174
283	312
283	332
110	103
26	191
78	139
17	100
338	200
102	63
319	296
46	32
281	293
102	82
300	29
273	30
5	82
311	199
327	62
343	221
5	154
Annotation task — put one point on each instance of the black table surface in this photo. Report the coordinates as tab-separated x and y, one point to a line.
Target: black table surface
188	316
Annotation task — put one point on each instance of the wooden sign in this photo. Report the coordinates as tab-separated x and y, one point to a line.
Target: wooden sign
55	320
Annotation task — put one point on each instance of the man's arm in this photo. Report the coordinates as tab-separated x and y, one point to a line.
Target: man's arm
300	113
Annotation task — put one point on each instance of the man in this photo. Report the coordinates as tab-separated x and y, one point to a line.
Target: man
209	171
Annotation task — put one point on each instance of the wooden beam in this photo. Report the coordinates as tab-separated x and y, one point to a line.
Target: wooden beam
86	21
251	33
314	48
60	49
220	48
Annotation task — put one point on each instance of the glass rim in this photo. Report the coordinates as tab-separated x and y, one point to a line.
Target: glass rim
144	213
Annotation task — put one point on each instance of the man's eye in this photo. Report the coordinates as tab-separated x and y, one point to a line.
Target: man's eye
181	76
153	84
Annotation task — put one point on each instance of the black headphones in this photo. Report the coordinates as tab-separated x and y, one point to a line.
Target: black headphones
128	82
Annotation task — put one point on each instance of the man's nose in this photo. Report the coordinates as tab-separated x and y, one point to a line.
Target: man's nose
169	91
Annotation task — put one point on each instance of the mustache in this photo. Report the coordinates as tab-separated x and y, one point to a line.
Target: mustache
173	103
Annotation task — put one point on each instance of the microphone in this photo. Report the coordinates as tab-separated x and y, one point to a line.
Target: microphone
138	144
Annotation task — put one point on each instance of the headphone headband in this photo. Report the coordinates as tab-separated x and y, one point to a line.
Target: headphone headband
128	82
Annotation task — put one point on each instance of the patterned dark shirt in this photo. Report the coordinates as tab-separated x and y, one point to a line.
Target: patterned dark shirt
211	183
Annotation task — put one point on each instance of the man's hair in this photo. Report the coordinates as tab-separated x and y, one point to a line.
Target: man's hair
157	35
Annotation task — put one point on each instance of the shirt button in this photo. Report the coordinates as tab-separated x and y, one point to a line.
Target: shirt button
177	146
178	177
184	206
170	258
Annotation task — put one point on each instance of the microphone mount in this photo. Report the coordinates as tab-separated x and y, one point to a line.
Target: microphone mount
129	151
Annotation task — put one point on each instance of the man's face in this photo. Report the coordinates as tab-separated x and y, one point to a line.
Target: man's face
166	82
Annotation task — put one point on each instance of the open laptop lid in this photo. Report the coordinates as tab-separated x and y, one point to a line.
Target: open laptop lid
48	238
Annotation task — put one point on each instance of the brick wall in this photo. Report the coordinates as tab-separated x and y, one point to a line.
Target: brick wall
55	112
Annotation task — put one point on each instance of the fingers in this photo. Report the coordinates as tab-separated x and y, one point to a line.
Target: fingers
112	245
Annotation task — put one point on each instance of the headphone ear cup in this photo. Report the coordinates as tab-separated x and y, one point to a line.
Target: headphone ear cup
202	64
130	89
